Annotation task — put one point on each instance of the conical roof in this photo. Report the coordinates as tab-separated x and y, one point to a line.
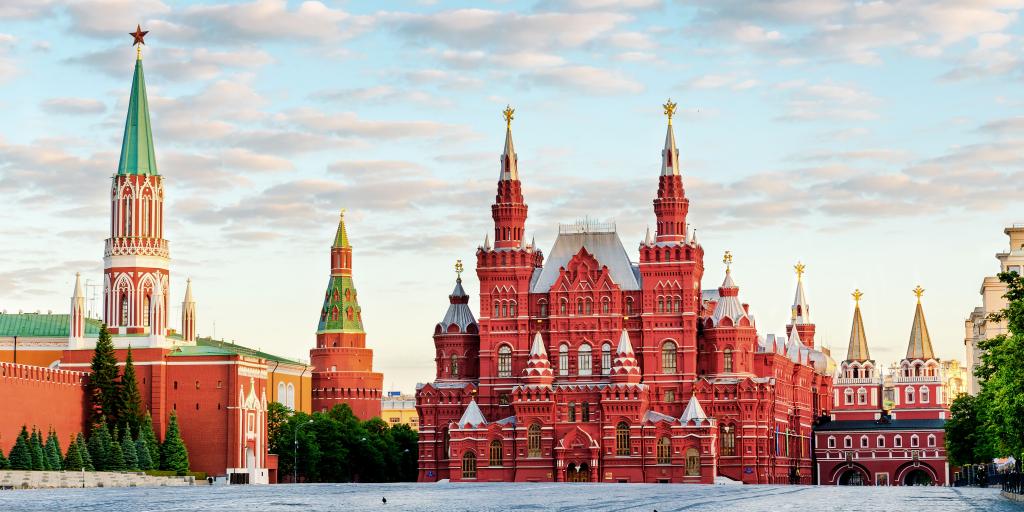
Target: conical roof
858	349
473	416
137	153
509	160
538	367
693	412
458	312
78	286
801	311
625	366
188	291
341	237
920	345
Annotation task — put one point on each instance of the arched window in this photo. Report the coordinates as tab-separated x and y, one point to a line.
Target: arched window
505	361
579	306
512	309
290	396
589	304
862	396
504	309
664	451
469	465
495	453
831	441
676	305
897	441
931	440
880	441
847	442
848	396
622	439
668	357
497	309
606	305
661	304
692	462
563	306
863	441
727	361
910	395
282	397
606	358
572	412
533	441
914	441
145	311
124	309
585	360
728	441
629	305
543	305
585	411
563	359
924	394
455	365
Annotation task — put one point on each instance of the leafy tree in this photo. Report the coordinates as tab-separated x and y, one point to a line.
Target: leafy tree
21	452
129	399
53	454
103	387
83	450
1001	373
39	461
173	453
131	457
149	436
100	446
73	458
144	460
966	438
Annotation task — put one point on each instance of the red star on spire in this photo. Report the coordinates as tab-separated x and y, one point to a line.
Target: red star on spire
139	35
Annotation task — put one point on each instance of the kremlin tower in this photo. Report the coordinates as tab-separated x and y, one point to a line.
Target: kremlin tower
343	366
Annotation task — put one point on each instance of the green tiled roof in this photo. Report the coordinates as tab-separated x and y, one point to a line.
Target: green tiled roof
43	325
212	344
341	237
341	310
137	154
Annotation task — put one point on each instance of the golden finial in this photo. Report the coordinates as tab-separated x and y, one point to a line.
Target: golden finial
918	292
727	259
670	109
509	114
458	268
857	294
799	267
342	213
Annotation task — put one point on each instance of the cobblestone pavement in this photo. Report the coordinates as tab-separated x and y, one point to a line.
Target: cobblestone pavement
514	497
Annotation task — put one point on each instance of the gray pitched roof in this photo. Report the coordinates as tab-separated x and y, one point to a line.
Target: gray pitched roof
606	248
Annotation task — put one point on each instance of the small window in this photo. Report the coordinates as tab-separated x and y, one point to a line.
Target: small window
931	440
572	412
622	439
533	441
505	361
664	451
915	441
469	465
585	411
727	363
847	442
543	307
670	395
606	358
924	395
897	441
692	462
629	305
863	441
175	384
495	453
197	406
880	441
563	359
831	442
668	357
584	360
862	396
605	306
563	306
728	441
848	396
197	384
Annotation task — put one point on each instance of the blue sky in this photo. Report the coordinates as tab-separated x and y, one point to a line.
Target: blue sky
878	142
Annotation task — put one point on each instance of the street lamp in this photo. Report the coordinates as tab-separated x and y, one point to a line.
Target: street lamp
295	453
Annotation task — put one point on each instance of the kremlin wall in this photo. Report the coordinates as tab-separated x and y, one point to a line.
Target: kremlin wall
583	366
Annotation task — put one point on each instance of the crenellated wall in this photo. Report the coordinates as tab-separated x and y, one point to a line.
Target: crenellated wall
43	397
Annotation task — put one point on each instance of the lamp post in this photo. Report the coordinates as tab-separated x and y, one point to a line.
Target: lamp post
295	453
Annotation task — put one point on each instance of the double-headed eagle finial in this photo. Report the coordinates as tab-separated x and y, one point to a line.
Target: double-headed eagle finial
857	294
799	267
670	109
727	259
458	269
918	292
509	114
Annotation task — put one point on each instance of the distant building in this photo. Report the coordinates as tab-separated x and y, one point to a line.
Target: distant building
400	410
886	430
977	326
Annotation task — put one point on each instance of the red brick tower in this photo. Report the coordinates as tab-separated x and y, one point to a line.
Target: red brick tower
857	390
509	210
457	337
730	338
671	205
343	366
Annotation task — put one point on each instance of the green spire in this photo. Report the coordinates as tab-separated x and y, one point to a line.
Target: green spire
137	155
341	238
341	311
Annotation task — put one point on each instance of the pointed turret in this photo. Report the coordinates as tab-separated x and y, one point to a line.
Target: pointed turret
509	209
137	154
538	367
694	412
157	318
77	319
794	346
188	315
800	312
509	160
671	205
625	368
341	311
473	417
920	345
648	241
458	313
858	349
728	305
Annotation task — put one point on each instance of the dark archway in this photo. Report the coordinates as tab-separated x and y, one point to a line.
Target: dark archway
918	477
574	473
852	477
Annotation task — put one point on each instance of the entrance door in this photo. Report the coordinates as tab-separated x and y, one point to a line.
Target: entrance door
851	477
574	473
917	477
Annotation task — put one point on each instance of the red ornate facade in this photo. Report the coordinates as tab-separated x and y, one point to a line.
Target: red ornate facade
590	367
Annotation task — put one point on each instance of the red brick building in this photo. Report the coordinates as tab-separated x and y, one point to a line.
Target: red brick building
886	431
591	367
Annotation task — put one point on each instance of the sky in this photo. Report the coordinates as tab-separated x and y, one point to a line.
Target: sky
877	142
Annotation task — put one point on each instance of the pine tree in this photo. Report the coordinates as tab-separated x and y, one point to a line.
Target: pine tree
103	386
115	460
4	463
83	450
52	449
173	453
149	436
129	398
99	446
21	452
131	457
145	461
39	461
73	459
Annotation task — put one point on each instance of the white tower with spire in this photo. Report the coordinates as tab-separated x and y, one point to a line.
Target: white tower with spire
76	338
188	316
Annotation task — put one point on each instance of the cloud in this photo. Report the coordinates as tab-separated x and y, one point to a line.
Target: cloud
584	78
109	18
26	9
349	124
811	102
382	94
73	106
172	64
1008	126
260	20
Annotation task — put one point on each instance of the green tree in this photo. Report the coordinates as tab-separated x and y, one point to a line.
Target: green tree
115	457
149	436
173	453
99	446
53	453
966	439
1001	374
131	457
83	450
129	398
39	461
144	460
73	458
103	386
21	453
4	462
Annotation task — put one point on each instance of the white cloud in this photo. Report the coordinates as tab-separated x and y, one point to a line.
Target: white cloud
585	78
74	106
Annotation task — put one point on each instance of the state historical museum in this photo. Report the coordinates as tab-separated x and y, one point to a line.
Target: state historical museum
590	367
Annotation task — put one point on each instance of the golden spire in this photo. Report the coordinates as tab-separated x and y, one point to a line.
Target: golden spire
918	292
509	114
458	268
342	213
727	259
670	109
857	294
799	267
